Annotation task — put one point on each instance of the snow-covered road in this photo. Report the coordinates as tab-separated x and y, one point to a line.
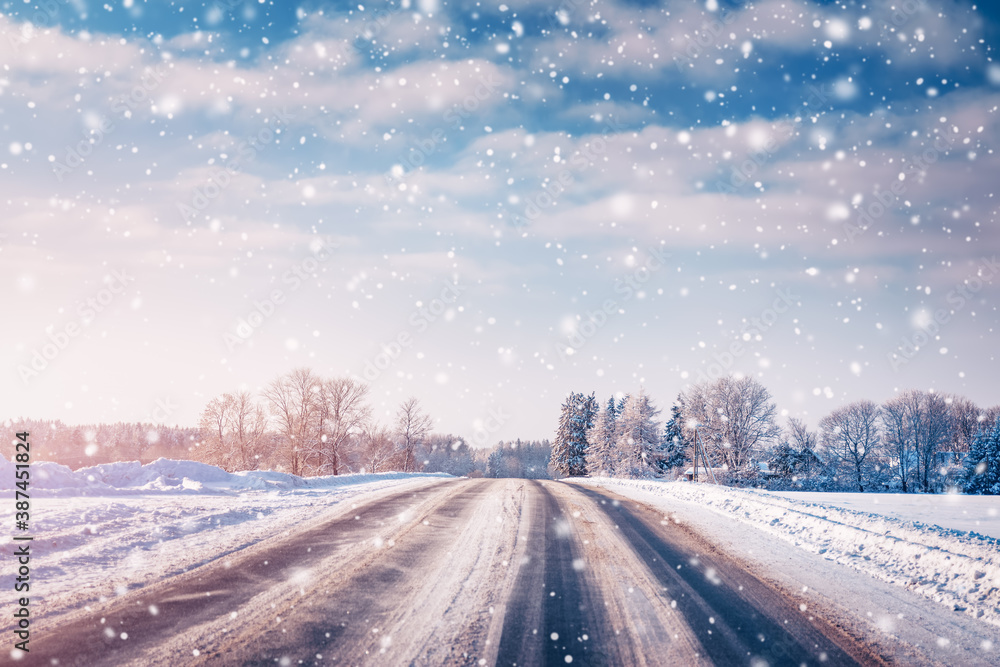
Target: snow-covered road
180	563
461	572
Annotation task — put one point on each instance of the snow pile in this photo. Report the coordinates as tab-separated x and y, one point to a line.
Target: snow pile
957	568
170	476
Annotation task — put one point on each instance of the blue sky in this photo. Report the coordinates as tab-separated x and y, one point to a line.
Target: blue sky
620	190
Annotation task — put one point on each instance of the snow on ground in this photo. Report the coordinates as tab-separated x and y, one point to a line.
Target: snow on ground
974	514
105	530
167	476
957	568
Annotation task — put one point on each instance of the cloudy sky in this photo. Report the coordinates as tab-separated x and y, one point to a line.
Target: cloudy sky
488	205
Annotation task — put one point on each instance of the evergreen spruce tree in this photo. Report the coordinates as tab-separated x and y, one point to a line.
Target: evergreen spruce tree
783	460
638	437
570	448
562	446
674	446
622	402
494	464
601	449
612	408
587	414
982	465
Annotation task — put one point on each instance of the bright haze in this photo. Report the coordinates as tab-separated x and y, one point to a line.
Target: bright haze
519	199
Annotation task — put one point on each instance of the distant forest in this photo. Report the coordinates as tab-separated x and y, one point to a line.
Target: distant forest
916	441
300	423
309	425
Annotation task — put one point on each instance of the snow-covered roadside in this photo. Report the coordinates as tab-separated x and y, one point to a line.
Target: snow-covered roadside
105	530
976	514
961	570
167	476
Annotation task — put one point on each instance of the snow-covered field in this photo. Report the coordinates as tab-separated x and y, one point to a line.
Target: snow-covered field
974	514
105	530
893	540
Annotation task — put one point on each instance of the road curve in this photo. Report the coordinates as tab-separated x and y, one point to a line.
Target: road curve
466	572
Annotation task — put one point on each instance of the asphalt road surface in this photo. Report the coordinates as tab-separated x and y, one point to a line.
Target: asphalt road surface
466	572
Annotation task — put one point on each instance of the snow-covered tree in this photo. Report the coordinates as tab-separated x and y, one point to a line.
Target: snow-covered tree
917	426
851	434
445	453
602	449
621	403
736	418
781	460
900	436
639	437
674	446
936	433
989	415
965	422
494	464
570	447
803	442
982	466
527	459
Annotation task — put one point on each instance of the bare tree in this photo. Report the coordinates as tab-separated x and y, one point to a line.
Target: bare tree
234	431
378	451
800	435
215	426
918	424
804	441
988	418
294	402
965	422
249	425
342	413
736	418
900	436
412	426
851	434
935	430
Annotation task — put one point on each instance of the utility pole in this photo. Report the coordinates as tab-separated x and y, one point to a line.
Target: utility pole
695	477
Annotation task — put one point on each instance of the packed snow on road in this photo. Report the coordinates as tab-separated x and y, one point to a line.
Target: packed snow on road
870	570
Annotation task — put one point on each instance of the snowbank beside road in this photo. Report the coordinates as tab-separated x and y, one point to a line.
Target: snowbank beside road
957	568
977	514
170	476
144	523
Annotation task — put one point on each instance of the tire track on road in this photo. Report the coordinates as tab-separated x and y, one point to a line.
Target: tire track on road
553	613
425	600
642	628
737	618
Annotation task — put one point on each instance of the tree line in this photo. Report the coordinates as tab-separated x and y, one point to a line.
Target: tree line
916	441
299	423
309	425
519	458
91	444
306	424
